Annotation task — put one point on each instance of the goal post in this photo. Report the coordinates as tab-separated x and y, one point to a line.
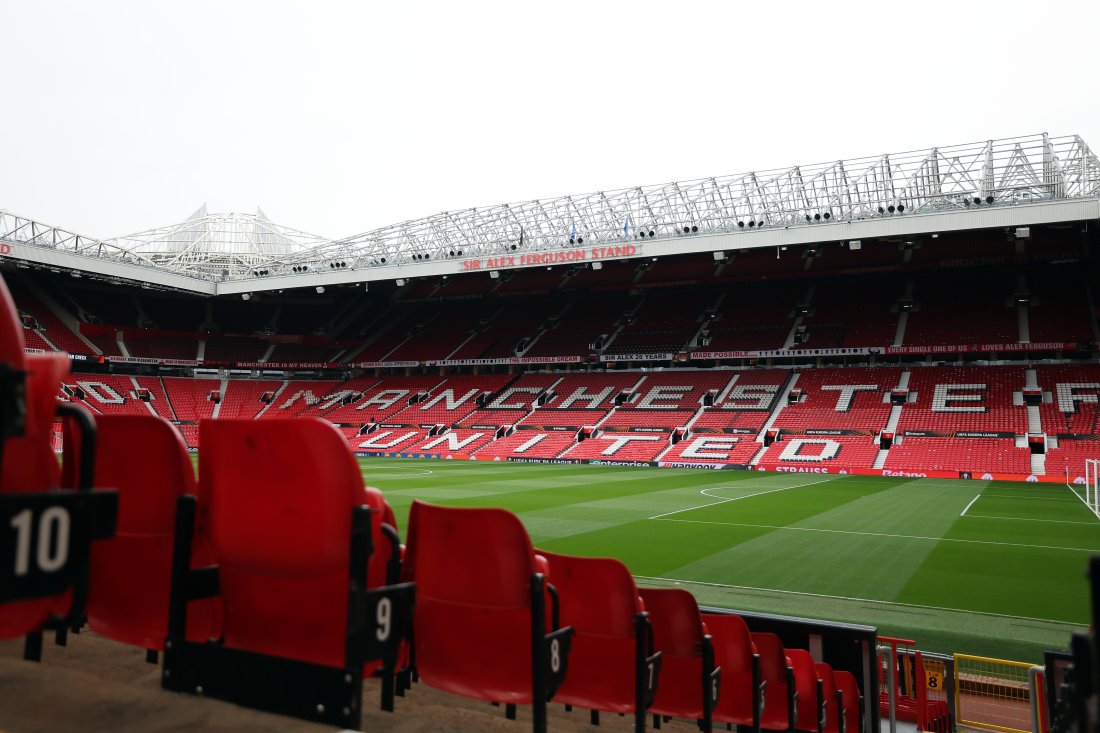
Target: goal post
1092	486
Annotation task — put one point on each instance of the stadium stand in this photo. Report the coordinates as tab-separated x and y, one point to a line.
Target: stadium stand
529	445
964	398
190	398
746	404
381	398
241	398
302	399
292	353
833	452
619	447
975	455
852	312
665	400
511	403
44	318
112	394
690	269
233	349
755	316
718	449
463	442
1058	307
665	322
1068	458
967	307
153	345
840	399
1070	398
581	324
442	335
449	403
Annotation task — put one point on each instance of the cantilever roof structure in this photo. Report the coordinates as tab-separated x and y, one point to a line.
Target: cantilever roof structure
1014	181
218	245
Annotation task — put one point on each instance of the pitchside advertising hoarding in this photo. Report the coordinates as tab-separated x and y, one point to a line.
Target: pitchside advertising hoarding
831	470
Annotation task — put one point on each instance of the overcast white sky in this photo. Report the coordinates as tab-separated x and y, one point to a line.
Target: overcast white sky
338	117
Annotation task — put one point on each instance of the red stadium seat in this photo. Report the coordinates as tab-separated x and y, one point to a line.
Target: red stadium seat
612	667
811	693
48	586
848	685
292	529
834	702
780	695
480	629
742	695
145	458
689	678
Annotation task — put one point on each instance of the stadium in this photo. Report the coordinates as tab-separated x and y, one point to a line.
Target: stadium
840	399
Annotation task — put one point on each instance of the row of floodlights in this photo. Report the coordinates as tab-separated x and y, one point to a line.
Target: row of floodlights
337	265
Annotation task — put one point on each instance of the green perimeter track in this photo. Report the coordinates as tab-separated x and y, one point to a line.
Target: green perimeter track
978	567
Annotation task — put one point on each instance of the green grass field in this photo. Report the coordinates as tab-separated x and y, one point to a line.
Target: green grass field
1005	579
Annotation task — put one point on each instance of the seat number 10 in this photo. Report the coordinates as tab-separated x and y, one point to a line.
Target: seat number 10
51	551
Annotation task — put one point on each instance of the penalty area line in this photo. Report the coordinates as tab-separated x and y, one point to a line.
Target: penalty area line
735	498
964	511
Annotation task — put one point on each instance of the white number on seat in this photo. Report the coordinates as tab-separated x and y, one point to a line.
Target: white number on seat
52	551
384	618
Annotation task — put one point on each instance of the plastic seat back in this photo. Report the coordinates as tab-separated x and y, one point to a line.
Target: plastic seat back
678	635
830	693
30	465
808	685
848	685
599	600
11	330
145	459
281	495
472	627
29	460
776	676
734	653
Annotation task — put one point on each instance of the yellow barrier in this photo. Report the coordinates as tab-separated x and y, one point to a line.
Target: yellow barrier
992	694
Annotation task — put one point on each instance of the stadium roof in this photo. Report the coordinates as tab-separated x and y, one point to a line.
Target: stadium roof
1011	182
213	244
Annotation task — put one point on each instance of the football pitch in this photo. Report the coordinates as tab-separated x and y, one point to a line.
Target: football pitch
978	567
